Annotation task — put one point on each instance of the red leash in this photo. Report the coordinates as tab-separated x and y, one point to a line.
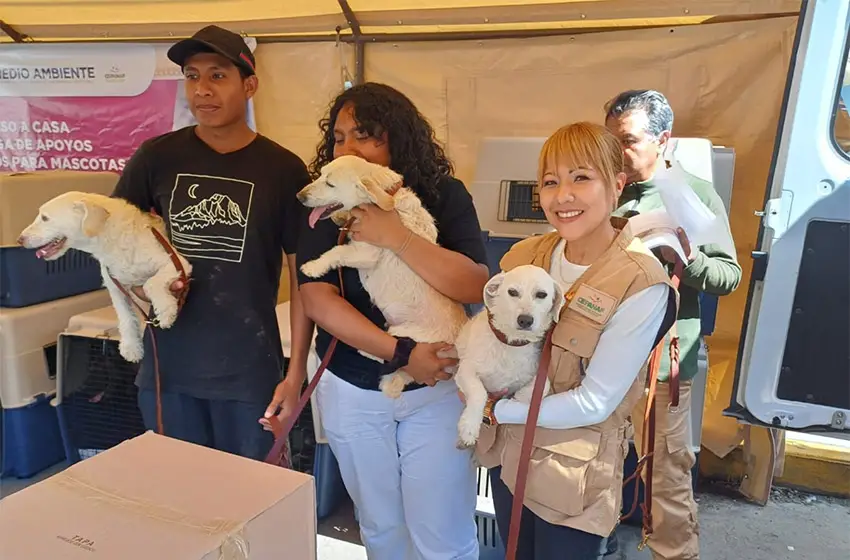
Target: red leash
279	451
149	324
525	450
647	451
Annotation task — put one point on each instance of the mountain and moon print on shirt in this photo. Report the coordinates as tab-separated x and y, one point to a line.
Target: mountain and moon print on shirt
209	216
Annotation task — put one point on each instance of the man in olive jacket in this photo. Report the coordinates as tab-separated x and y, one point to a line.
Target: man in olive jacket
643	121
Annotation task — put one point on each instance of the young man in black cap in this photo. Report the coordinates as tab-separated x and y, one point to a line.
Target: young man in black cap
227	195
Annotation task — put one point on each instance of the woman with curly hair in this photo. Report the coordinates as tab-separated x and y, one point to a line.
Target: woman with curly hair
414	490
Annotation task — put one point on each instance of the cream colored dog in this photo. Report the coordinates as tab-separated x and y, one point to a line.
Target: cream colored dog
499	349
410	305
118	236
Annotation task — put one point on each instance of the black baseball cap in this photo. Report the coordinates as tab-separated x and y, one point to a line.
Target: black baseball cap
213	38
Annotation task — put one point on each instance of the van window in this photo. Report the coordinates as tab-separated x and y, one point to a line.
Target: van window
841	120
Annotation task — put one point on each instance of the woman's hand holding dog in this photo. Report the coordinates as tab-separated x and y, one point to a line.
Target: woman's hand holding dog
378	227
426	367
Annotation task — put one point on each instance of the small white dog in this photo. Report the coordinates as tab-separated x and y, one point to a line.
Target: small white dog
118	236
410	305
500	348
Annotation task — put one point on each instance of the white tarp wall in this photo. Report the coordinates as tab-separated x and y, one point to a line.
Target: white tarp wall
724	79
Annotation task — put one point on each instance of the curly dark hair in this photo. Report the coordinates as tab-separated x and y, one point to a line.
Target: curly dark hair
414	150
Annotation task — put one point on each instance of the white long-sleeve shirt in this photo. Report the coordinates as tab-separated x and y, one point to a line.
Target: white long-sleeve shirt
621	351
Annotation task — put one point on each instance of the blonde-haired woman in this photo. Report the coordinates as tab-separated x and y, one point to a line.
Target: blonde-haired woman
599	353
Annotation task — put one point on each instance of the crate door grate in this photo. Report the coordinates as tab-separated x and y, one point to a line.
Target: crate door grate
488	531
99	396
519	201
69	262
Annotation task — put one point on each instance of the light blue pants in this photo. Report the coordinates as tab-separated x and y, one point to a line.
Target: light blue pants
414	490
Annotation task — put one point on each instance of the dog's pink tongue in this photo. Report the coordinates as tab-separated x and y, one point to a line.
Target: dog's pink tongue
315	215
40	253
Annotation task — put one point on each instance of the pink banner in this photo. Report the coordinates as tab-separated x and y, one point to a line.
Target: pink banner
82	133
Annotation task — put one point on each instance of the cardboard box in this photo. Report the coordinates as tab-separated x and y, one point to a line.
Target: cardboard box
154	497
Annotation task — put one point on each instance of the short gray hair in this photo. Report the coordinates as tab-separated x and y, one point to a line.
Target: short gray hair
653	102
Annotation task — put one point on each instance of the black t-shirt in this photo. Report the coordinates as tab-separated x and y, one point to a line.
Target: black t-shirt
232	216
459	230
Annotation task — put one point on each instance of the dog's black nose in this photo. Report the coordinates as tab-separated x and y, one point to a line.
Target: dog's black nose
525	321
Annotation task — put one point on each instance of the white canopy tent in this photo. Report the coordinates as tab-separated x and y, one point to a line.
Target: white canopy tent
479	68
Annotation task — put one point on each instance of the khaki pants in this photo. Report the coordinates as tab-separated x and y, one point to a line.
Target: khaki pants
674	511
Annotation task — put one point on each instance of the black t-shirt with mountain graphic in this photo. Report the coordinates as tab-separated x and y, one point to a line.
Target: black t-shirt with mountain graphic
232	216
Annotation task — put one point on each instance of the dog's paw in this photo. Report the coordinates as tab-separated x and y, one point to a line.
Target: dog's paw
392	385
463	446
467	432
313	269
131	351
166	316
370	356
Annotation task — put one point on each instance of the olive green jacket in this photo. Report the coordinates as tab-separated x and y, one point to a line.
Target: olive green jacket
713	271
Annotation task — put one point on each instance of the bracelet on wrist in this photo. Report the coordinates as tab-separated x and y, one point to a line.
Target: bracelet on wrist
489	417
401	356
404	245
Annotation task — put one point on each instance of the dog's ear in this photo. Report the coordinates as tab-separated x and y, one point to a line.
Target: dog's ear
491	289
558	301
376	184
94	216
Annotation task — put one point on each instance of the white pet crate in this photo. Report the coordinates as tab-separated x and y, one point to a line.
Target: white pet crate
28	380
503	190
25	332
96	395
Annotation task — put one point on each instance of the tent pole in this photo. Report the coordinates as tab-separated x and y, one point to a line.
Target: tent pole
13	33
478	35
357	38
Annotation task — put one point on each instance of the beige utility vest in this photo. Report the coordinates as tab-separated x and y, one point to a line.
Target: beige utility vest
575	476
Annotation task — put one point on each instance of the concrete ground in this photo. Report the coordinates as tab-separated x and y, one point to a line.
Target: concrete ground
793	526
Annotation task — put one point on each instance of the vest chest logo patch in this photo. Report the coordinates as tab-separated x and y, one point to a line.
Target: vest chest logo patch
593	304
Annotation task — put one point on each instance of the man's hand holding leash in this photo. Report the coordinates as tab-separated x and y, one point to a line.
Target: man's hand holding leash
285	399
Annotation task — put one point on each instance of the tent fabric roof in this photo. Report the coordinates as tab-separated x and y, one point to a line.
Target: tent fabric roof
99	20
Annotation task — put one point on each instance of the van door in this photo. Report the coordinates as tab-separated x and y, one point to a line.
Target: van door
793	369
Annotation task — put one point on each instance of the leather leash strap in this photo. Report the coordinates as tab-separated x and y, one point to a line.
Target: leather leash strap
151	323
525	449
277	454
647	451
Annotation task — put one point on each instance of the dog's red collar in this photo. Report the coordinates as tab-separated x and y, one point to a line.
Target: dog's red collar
502	337
395	188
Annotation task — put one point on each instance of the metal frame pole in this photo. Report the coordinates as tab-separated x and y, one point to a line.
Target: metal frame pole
13	33
357	38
